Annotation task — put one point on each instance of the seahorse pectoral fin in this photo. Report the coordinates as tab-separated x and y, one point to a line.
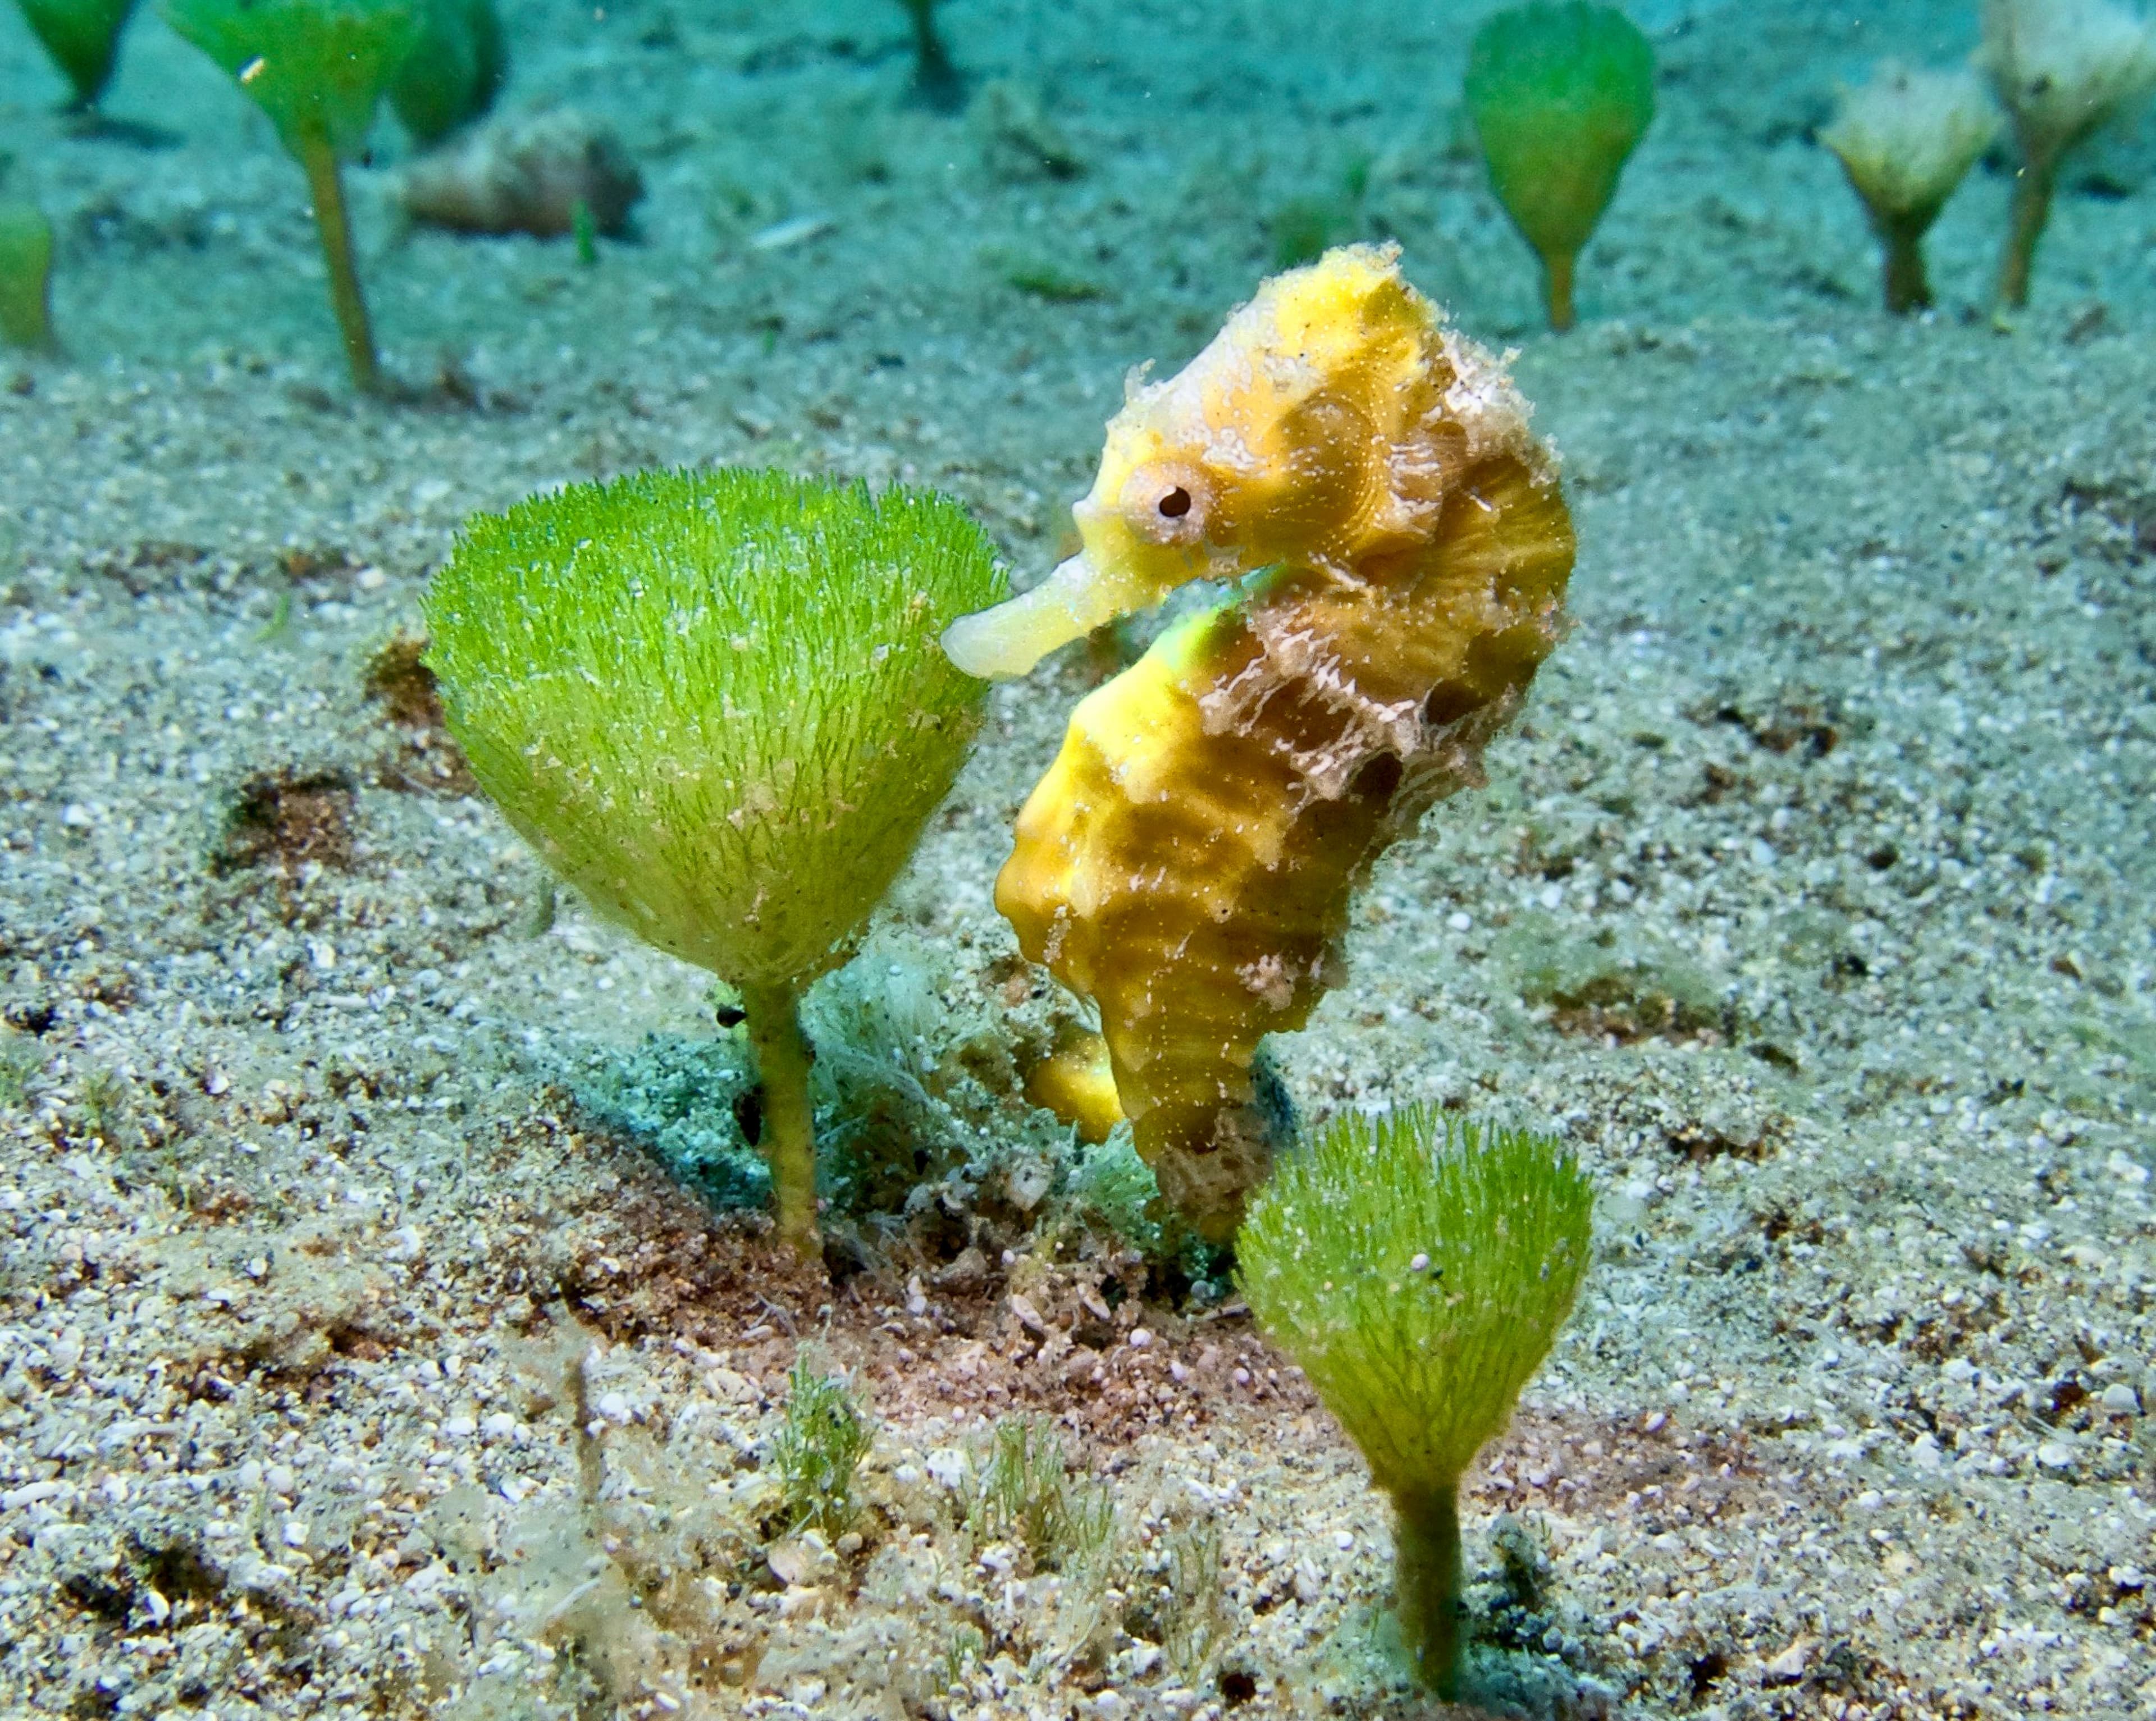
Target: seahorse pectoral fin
1007	641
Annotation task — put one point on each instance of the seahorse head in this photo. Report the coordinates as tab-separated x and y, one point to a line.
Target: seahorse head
1321	425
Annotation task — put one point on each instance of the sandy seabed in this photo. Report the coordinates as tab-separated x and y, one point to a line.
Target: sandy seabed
350	1365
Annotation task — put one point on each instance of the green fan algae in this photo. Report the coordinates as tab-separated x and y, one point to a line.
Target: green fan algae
1418	1269
1907	140
83	38
1560	96
714	702
2063	69
26	276
318	68
454	71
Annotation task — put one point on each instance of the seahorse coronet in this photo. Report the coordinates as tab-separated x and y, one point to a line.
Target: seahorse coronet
1402	548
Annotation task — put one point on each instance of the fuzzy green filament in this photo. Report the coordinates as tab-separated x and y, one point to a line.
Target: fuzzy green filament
26	275
714	702
318	68
1560	96
83	36
1418	1269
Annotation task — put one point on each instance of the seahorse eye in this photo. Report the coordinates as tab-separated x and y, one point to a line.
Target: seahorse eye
1168	501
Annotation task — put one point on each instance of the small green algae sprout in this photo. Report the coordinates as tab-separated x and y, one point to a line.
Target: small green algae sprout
26	276
454	70
818	1452
714	702
2063	69
83	36
1560	96
318	68
1418	1269
937	83
1022	1492
1907	140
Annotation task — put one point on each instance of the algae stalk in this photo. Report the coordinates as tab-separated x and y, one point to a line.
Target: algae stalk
333	221
83	38
1558	268
773	1017
936	80
1906	140
2033	190
1428	1576
1904	285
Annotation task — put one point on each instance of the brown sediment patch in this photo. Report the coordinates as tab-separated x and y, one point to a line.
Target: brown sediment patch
425	758
287	819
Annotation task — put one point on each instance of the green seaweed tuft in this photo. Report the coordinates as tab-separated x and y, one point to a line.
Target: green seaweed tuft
817	1452
26	276
83	38
714	702
454	70
1418	1269
1560	95
1022	1492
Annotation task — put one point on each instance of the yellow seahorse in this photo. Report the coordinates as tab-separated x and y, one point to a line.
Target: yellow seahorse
1402	548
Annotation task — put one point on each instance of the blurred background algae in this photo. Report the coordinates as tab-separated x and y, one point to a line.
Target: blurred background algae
1561	95
318	68
26	276
453	70
1906	139
83	36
